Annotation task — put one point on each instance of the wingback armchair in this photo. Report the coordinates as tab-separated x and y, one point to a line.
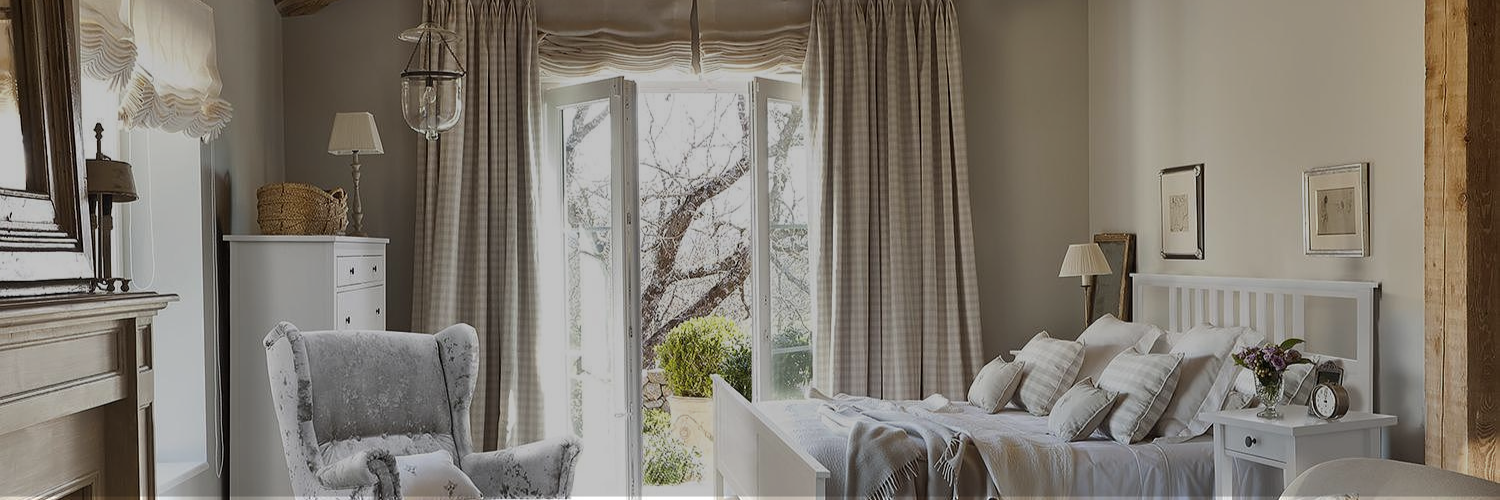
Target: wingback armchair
349	402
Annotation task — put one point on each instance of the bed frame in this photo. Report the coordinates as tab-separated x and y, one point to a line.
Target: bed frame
756	459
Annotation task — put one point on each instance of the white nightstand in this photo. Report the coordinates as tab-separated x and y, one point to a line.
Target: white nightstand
1293	444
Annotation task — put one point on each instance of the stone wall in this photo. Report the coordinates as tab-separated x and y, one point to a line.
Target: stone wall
654	389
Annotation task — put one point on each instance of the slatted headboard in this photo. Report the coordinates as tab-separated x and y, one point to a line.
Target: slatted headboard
1276	308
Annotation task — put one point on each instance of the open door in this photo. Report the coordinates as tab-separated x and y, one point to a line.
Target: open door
590	235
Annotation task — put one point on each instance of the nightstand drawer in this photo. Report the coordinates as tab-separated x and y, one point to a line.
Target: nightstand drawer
362	309
358	270
1261	444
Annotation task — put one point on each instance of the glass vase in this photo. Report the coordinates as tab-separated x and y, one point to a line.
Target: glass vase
1269	392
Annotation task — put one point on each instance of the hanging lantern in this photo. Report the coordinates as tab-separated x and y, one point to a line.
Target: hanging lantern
432	94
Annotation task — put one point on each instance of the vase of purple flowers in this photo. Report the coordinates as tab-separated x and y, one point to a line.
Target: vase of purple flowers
1268	363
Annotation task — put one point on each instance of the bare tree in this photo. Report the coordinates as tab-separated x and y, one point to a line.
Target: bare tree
695	225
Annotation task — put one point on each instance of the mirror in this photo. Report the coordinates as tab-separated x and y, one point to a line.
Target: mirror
1112	291
14	169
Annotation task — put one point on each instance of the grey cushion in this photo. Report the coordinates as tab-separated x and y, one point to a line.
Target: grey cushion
995	384
1080	411
348	401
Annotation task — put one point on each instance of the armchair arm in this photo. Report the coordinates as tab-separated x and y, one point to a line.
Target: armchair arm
543	469
369	468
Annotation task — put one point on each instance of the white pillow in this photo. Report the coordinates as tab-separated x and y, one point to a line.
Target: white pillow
1145	383
1080	411
1108	337
1207	374
995	384
1050	367
433	475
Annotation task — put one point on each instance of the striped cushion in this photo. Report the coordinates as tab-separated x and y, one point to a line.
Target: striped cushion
1080	411
1145	383
1049	370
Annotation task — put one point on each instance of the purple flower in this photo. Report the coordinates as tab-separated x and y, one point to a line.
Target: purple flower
1279	363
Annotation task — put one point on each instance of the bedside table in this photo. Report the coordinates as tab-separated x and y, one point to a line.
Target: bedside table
1293	444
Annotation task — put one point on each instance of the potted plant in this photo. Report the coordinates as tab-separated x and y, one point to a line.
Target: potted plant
691	353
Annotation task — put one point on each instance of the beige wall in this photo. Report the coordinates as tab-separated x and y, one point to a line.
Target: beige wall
347	58
1260	91
1026	106
245	156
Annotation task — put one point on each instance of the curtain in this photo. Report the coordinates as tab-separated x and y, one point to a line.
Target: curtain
897	304
475	250
585	38
754	37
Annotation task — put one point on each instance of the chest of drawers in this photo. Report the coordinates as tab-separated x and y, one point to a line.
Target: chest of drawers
314	282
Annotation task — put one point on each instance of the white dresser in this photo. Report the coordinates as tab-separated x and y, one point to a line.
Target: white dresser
314	282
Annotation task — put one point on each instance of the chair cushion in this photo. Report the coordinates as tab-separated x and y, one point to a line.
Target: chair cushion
373	383
434	475
396	444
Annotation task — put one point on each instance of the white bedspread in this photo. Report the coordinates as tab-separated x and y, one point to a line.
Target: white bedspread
1097	468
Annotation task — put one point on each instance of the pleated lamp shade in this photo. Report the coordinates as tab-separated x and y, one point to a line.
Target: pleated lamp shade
354	133
1084	260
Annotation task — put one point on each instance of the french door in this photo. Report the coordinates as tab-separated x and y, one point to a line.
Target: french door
589	197
592	241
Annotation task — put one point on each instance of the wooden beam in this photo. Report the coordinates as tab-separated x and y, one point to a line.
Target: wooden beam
290	8
1462	219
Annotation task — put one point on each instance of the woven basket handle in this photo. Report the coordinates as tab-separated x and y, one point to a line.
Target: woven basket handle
338	194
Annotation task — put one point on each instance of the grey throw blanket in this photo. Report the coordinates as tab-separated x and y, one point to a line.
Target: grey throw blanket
888	446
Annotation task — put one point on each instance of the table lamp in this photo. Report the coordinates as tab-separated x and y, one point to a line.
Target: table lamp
1085	261
355	134
109	181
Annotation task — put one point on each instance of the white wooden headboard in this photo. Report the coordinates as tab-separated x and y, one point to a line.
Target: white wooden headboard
1273	307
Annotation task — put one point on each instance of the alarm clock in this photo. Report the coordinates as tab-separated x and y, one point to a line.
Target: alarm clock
1329	401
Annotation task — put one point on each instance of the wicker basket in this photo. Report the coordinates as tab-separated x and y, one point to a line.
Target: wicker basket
300	209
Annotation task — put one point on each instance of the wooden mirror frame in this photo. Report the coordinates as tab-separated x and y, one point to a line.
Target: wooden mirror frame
1117	272
44	248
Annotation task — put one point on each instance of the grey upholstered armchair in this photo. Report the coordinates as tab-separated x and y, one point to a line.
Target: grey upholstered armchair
349	402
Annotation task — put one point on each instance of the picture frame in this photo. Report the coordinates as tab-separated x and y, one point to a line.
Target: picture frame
1112	294
1329	372
1336	210
1182	212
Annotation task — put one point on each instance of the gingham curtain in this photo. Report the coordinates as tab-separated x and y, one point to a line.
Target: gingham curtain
475	250
898	312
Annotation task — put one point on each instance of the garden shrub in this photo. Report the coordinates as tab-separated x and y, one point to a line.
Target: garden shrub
669	461
694	350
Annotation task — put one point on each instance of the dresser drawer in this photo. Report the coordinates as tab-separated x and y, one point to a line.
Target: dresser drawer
358	270
362	309
1261	444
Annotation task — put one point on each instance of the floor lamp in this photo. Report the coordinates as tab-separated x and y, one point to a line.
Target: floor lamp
1085	261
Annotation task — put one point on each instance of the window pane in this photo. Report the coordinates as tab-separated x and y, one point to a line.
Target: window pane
586	164
791	295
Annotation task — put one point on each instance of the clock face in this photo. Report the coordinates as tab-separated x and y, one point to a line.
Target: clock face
1324	401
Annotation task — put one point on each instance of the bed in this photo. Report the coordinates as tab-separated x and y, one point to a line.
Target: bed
783	449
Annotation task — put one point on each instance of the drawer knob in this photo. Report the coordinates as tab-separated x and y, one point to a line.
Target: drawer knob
374	269
1249	441
346	320
377	310
351	271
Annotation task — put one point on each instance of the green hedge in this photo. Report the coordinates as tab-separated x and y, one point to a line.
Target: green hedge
694	350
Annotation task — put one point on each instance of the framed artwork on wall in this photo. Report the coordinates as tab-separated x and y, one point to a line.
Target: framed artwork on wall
1182	212
1336	211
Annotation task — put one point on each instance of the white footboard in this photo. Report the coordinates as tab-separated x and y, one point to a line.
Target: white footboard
753	458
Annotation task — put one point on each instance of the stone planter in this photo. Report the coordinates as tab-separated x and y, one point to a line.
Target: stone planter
693	421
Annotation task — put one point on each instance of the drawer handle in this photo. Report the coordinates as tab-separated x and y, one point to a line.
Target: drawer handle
377	310
351	271
374	269
346	320
1250	441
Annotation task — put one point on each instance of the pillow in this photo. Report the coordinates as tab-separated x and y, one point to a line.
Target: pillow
433	475
1145	383
1080	411
1050	367
1108	337
995	384
1297	383
1206	375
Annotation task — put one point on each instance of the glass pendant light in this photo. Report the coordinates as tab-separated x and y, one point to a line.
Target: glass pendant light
432	86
